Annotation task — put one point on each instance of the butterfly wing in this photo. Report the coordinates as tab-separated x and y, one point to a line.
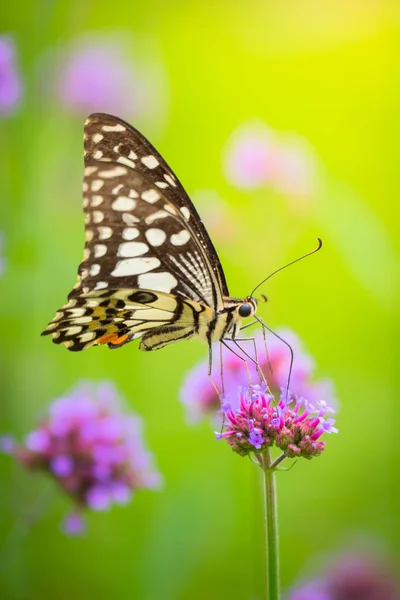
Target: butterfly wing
142	233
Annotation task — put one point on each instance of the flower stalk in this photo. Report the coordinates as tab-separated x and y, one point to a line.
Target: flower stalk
271	527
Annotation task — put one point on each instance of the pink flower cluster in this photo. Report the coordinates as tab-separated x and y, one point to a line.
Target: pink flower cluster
93	450
10	81
352	576
293	425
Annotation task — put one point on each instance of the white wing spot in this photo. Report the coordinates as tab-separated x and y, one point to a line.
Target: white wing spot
117	188
169	179
73	330
86	253
161	184
76	312
96	200
130	249
85	202
186	213
90	170
132	155
97	216
85	186
94	270
159	282
135	266
133	194
97	184
115	172
150	161
130	233
151	196
159	214
170	209
89	235
181	238
83	320
100	250
126	161
97	154
88	336
104	233
129	219
117	127
101	285
155	237
97	138
123	203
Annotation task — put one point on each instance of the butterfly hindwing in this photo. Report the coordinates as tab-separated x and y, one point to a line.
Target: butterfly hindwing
115	317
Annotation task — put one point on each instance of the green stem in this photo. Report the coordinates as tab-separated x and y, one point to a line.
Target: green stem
271	525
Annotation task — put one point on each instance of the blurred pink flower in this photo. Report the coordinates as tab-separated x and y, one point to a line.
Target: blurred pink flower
201	399
352	576
93	450
256	155
99	73
10	82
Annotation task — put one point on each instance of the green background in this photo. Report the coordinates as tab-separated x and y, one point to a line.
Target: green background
324	70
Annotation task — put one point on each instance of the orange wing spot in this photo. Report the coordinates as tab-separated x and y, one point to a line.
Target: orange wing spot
119	340
105	339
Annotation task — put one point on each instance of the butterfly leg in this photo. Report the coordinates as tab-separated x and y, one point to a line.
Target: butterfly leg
219	393
223	341
255	359
290	350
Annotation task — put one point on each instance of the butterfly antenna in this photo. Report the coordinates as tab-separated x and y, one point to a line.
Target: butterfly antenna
288	265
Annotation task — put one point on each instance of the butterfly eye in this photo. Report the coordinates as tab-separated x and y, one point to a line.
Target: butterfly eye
245	310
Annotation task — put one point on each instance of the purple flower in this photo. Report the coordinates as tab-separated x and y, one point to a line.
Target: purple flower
10	83
256	155
259	422
93	450
351	576
98	73
73	524
201	398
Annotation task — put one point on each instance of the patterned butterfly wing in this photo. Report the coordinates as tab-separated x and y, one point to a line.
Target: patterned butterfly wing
142	229
143	235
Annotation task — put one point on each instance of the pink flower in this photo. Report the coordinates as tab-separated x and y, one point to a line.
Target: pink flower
103	73
292	425
91	448
10	82
352	576
256	155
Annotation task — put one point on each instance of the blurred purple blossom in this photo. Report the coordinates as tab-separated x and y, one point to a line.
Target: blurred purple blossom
256	155
101	73
293	425
93	450
202	400
352	576
10	82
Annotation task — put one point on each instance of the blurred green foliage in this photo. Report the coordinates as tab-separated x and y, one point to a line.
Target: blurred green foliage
324	70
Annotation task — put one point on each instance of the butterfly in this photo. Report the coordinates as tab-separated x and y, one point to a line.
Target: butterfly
149	268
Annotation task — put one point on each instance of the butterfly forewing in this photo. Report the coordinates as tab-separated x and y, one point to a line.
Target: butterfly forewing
142	229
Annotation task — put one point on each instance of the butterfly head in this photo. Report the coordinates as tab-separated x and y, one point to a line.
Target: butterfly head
247	308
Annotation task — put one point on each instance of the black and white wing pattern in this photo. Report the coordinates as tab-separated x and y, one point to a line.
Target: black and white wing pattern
142	230
143	235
